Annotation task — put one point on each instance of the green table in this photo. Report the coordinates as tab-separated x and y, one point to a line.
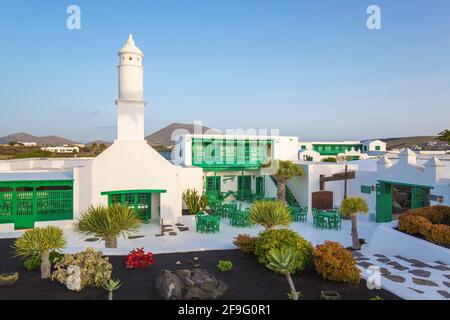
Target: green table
208	224
330	218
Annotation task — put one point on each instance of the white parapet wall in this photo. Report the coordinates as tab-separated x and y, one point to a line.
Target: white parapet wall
63	224
390	242
6	227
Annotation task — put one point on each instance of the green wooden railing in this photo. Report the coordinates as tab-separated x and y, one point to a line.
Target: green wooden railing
25	202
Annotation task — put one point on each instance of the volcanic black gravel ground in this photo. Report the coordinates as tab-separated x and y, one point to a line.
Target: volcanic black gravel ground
248	280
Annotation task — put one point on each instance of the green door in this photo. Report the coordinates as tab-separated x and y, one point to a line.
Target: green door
244	187
25	208
418	196
213	185
384	202
260	191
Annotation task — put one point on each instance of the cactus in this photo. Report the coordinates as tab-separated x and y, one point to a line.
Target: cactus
194	202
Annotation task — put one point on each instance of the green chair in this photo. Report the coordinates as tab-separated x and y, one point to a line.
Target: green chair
212	225
199	225
303	214
295	213
239	219
319	221
336	221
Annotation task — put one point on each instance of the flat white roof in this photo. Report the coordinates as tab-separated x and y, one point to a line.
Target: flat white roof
36	176
238	136
332	142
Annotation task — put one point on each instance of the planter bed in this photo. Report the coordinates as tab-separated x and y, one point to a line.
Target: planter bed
248	280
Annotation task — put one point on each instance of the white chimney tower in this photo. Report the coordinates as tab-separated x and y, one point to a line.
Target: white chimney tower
130	103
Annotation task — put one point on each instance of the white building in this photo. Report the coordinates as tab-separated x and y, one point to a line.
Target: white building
62	149
235	165
392	186
39	191
27	144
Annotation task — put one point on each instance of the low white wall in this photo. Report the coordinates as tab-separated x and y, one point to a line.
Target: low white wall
63	224
6	227
390	242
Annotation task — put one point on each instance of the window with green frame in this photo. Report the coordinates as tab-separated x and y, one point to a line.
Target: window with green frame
213	185
260	187
377	148
139	200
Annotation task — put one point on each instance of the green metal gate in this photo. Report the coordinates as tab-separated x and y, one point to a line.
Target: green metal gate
26	202
419	198
244	191
384	202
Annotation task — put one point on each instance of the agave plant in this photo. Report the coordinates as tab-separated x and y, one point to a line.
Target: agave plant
109	223
283	261
349	208
111	285
194	202
40	241
269	214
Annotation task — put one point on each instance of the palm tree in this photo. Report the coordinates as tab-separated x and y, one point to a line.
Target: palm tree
286	171
283	261
444	136
40	241
109	223
269	214
350	207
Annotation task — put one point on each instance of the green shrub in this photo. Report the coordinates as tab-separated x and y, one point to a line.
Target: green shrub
278	238
225	265
245	243
34	262
269	213
333	262
329	159
95	269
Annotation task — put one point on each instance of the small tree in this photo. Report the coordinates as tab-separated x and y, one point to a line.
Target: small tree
444	135
286	171
283	261
269	214
40	241
109	223
350	207
194	202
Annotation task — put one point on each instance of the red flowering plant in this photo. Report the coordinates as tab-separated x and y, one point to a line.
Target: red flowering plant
137	258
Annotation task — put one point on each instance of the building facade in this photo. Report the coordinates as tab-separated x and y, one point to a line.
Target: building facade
41	191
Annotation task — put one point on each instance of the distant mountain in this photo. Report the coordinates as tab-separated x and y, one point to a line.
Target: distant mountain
98	142
407	142
166	135
25	137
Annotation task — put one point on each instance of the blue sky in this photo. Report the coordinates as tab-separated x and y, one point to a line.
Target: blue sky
308	68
